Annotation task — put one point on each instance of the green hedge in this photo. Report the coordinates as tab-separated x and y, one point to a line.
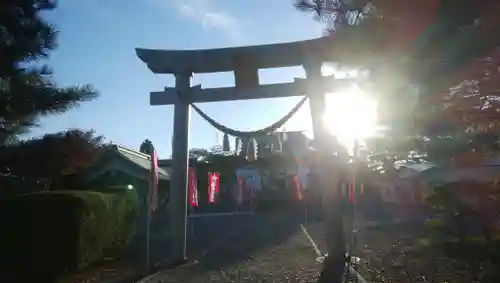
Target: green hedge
50	233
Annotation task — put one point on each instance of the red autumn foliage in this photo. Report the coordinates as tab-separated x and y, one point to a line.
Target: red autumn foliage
409	20
481	201
474	102
52	155
469	84
471	92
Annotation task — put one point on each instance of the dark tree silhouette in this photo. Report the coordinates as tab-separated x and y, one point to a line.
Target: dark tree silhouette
237	146
244	147
199	153
450	49
52	155
226	146
27	89
147	147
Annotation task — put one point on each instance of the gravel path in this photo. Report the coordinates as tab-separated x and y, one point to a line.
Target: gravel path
273	250
396	254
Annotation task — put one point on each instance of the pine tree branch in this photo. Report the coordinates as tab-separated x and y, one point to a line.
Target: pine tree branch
28	91
24	35
333	12
33	92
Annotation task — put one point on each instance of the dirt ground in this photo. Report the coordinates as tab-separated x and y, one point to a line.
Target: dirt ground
401	253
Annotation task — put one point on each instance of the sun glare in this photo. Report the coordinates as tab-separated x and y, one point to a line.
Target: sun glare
350	116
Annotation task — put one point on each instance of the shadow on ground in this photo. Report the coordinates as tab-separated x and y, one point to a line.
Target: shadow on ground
267	231
203	233
255	250
268	246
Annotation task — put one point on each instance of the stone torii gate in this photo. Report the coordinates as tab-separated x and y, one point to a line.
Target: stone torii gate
245	63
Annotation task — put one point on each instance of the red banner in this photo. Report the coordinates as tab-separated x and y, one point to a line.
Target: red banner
297	186
193	188
352	190
213	186
239	197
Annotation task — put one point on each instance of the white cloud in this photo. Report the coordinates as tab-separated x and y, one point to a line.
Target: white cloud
205	13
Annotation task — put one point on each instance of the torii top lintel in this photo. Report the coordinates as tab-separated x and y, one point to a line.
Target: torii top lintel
227	59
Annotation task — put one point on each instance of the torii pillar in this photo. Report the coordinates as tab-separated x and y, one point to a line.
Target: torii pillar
245	63
180	165
317	99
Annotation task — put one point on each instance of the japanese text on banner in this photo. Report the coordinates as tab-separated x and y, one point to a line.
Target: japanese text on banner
193	188
213	186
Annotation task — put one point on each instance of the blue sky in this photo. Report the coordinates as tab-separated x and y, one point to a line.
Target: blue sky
97	40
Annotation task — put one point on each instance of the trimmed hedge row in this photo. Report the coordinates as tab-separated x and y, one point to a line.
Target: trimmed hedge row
48	234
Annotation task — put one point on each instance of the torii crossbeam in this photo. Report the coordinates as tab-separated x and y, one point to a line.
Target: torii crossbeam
245	63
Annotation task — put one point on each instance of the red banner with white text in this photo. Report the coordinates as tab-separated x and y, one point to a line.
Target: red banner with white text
297	187
193	188
213	186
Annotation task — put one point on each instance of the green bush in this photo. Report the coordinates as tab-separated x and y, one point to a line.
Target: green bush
51	233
